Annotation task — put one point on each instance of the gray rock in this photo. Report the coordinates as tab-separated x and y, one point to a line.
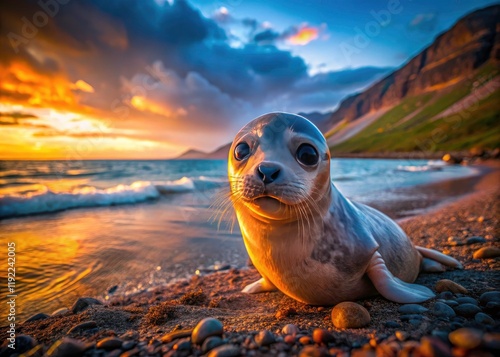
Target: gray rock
87	325
110	343
446	295
392	324
467	310
442	310
183	344
23	343
225	351
490	296
412	309
36	317
206	328
264	338
60	311
210	343
484	319
128	345
475	240
451	303
84	303
67	347
290	329
409	317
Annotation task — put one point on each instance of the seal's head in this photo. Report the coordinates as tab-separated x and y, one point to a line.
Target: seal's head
279	164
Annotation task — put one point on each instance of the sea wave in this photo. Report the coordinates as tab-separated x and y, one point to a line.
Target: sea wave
45	200
431	166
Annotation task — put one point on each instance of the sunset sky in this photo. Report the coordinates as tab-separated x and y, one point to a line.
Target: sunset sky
132	79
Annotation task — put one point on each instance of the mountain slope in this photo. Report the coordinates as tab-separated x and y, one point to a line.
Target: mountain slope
451	88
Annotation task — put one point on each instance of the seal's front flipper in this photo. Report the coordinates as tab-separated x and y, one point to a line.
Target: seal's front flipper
439	257
260	286
393	288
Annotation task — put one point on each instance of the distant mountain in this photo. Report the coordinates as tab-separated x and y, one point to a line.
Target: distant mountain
445	98
219	153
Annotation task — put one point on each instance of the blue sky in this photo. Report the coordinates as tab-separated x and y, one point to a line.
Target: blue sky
151	78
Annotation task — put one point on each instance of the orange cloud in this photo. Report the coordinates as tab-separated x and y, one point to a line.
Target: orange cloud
304	35
84	86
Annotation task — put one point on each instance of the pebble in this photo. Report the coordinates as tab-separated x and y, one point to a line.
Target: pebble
183	344
442	310
290	339
313	351
322	336
128	345
451	303
484	319
467	310
66	347
467	338
109	343
401	335
83	326
350	315
130	353
290	329
446	295
23	344
448	285
169	337
487	253
409	317
490	296
210	343
264	338
84	303
206	328
392	324
467	300
455	241
60	311
412	309
305	340
225	351
475	240
36	317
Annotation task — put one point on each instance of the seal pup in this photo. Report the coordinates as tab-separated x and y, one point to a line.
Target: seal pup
303	236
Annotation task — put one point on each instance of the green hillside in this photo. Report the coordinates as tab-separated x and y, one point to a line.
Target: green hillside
412	124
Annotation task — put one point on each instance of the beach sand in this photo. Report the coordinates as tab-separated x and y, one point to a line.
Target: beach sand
147	317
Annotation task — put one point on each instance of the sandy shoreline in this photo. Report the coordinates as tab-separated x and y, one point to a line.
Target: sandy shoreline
180	306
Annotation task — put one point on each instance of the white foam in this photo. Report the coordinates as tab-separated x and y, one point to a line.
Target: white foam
184	184
422	168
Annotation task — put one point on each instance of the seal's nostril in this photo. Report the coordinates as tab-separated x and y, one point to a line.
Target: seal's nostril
268	172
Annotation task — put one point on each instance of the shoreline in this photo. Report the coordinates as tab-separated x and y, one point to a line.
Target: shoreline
153	314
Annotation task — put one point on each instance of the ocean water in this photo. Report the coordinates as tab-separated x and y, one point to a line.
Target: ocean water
98	228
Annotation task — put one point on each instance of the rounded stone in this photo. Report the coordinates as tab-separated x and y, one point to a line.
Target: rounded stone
83	326
434	347
467	310
467	300
225	351
467	338
290	329
451	303
23	343
109	343
350	315
264	338
449	285
446	295
313	351
84	303
206	328
490	296
36	317
475	240
183	344
487	253
210	343
66	347
322	336
60	311
484	319
392	324
442	310
412	309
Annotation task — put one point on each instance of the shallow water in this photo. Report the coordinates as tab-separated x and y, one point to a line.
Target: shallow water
130	225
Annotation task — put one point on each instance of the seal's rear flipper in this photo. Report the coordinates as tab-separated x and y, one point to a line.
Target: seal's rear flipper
260	286
393	288
439	257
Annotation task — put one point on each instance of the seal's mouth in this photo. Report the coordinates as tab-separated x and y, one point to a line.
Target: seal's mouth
264	205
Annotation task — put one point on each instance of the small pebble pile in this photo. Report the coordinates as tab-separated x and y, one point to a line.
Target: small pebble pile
469	327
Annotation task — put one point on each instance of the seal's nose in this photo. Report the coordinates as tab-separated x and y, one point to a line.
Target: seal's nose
268	172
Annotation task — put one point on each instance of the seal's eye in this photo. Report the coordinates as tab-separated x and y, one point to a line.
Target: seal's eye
307	155
241	151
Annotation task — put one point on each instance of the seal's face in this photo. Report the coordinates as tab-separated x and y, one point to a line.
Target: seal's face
279	165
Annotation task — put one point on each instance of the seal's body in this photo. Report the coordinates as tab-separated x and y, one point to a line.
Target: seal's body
303	236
